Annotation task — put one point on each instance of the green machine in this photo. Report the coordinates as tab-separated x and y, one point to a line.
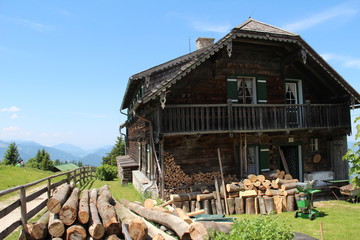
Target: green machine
305	202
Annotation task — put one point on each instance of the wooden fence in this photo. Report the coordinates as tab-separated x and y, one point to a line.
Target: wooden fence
79	175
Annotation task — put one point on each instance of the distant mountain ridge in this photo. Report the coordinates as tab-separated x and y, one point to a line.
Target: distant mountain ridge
63	152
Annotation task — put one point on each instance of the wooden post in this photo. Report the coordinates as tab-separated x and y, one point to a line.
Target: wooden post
162	180
186	206
207	206
23	210
250	205
223	182
49	188
192	205
283	160
74	172
213	206
231	204
290	203
68	177
321	231
239	205
219	208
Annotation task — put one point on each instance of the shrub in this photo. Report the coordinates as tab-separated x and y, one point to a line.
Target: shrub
106	172
263	227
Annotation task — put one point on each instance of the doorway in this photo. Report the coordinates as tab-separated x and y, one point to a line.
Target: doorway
292	155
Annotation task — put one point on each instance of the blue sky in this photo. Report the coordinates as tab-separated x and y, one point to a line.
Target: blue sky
64	65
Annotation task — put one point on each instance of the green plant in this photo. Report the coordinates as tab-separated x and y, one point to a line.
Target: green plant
12	156
118	150
264	228
353	157
106	172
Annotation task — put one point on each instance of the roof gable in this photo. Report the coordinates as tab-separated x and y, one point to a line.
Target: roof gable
256	26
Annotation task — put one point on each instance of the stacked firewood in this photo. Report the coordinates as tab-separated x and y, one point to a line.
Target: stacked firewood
175	177
74	215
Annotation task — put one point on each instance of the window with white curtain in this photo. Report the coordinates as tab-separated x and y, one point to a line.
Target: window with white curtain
291	93
246	90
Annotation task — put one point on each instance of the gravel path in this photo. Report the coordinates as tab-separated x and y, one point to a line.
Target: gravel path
16	215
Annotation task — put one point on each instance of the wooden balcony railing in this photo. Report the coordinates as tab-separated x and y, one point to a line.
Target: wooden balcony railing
252	117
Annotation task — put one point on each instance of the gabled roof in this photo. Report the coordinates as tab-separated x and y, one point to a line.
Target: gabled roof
179	67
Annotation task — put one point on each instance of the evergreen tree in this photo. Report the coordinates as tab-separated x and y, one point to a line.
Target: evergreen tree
57	162
12	156
118	150
46	163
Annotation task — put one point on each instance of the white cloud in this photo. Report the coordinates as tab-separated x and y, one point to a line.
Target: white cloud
14	116
208	27
10	109
28	23
344	61
10	129
318	18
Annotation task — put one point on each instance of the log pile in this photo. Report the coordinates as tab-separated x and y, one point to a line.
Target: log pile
89	214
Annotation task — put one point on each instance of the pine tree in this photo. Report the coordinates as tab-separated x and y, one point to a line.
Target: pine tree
12	156
46	163
118	150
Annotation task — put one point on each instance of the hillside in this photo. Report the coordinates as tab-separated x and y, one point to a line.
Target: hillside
63	152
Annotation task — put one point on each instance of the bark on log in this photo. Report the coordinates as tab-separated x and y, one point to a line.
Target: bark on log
250	205
274	192
239	205
69	210
186	206
235	187
288	186
75	232
213	206
173	222
184	196
201	230
231	204
167	203
262	206
181	214
207	206
197	212
96	228
107	213
59	197
283	181
56	226
278	204
83	214
197	205
291	191
192	205
201	197
38	230
219	208
269	203
248	193
290	203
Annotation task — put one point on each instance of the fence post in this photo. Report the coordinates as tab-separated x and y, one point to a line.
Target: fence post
74	172
49	188
68	177
23	209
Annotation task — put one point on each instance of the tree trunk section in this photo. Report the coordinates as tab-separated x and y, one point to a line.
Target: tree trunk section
75	232
207	206
96	229
186	206
201	230
288	185
149	203
158	237
181	214
137	229
269	203
213	206
231	204
59	197
250	205
107	212
83	214
38	230
56	226
290	203
171	221
262	206
278	204
235	187
184	196
239	205
112	237
69	210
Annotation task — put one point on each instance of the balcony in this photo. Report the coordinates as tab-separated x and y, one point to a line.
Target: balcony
220	118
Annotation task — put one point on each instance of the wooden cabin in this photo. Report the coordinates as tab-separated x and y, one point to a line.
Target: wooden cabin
258	92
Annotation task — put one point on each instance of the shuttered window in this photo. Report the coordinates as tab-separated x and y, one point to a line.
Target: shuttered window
264	163
261	91
232	89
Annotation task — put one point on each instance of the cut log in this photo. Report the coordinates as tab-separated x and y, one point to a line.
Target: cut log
167	203
248	193
288	186
198	205
38	230
75	232
184	196
201	230
283	181
260	178
233	194
83	215
252	177
269	203
112	237
181	214
207	206
186	206
239	205
274	192
194	213
266	183
250	205
171	221
137	229
149	203
192	205
262	206
235	187
56	226
158	237
290	203
247	182
256	205
278	204
288	176
201	197
69	210
292	191
231	204
59	197
96	229
107	212
161	209
213	206
257	184
219	208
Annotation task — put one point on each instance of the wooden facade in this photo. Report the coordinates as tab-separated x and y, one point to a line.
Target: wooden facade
253	93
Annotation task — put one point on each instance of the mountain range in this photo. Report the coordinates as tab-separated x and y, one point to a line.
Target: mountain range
63	152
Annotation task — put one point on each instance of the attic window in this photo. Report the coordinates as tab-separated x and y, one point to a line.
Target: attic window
241	89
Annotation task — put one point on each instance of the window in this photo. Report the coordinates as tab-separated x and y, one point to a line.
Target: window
291	93
241	89
314	144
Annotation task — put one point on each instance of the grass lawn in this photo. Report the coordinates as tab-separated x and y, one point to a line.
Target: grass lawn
340	220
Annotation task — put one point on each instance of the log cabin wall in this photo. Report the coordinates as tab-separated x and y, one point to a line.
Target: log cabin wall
137	132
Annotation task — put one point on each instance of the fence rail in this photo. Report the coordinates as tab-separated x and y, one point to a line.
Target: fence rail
252	117
79	175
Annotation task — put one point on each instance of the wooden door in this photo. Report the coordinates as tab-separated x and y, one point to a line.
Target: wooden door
291	154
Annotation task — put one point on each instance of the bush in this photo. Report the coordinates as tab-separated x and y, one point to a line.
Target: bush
263	227
106	172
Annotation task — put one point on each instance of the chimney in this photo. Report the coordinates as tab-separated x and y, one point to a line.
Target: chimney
204	42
